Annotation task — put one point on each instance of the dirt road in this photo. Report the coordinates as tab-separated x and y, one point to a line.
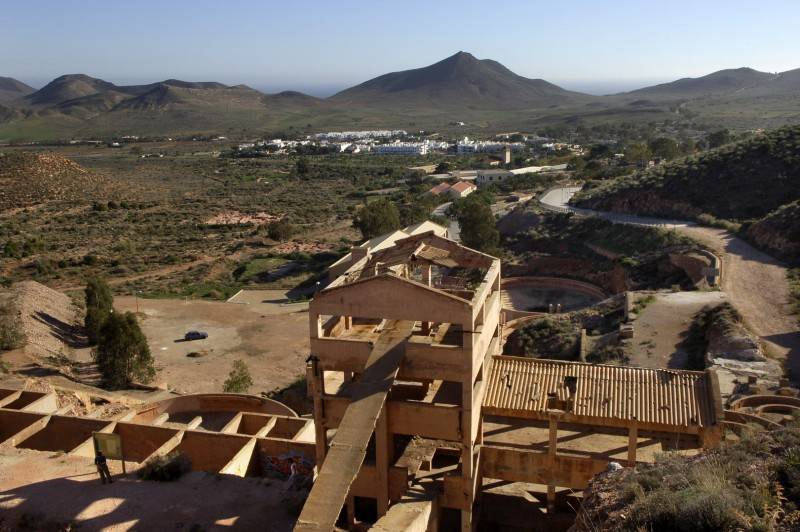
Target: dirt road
753	282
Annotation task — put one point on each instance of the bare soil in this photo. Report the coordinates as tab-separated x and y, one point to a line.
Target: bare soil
270	338
51	488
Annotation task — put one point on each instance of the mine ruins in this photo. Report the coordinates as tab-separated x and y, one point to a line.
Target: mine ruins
419	423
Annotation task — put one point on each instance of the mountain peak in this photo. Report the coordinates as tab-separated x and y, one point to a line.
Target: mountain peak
457	81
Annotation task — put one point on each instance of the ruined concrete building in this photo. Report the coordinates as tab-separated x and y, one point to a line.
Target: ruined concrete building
419	423
416	413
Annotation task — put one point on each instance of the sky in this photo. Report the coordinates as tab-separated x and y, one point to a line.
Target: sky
321	46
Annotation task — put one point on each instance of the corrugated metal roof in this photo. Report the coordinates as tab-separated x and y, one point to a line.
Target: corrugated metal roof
520	387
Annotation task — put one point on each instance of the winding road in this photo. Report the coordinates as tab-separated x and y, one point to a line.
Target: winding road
753	282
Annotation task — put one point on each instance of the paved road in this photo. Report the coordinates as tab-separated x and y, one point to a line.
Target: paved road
454	230
753	281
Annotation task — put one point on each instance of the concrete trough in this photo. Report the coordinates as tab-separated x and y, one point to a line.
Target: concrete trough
34	402
14	425
63	433
211	451
139	442
286	428
254	424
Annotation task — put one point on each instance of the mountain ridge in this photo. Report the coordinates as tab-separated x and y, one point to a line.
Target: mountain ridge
457	88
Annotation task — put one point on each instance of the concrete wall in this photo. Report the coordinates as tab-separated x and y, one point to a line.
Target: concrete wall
210	451
13	422
213	403
141	441
63	434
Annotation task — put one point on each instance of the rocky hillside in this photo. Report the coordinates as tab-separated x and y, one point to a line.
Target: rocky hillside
741	181
28	179
779	233
753	484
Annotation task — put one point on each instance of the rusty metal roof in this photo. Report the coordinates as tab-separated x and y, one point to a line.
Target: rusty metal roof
605	395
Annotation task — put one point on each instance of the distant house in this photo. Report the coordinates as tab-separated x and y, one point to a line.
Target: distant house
462	189
439	189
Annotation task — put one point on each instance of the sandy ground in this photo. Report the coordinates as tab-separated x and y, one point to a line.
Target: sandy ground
271	338
662	326
66	489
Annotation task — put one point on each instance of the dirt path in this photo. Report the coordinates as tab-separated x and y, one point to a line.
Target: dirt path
753	282
663	325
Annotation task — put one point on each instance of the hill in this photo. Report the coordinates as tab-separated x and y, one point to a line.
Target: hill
741	181
28	179
11	89
458	81
749	484
779	233
716	83
67	87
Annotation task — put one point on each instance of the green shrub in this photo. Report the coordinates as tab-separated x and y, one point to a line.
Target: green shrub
11	334
239	379
167	468
549	338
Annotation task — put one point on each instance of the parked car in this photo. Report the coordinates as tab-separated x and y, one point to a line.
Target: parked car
195	335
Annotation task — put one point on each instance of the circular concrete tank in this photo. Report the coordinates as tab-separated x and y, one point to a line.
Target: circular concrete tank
216	409
536	294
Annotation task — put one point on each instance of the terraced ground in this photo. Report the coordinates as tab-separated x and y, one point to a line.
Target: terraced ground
753	282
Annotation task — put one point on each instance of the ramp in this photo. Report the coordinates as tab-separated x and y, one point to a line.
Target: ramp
349	446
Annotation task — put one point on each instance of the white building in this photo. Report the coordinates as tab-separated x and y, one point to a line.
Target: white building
482	146
402	148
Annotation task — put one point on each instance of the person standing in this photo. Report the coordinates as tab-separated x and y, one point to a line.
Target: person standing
102	467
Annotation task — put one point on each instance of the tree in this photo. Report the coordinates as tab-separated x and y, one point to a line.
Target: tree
99	305
442	168
719	138
239	379
377	218
600	151
478	229
280	231
638	153
122	354
664	147
302	166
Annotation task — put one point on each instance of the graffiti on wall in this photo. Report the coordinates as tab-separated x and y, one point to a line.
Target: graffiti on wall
281	464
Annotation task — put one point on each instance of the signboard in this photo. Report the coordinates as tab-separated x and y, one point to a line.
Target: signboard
110	444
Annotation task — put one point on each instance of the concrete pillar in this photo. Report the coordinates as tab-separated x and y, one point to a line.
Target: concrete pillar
351	512
552	450
633	442
428	275
383	453
316	389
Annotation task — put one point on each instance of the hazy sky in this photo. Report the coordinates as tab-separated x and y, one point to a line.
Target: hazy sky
320	46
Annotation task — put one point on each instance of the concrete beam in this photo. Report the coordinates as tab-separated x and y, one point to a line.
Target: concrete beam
240	462
415	512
